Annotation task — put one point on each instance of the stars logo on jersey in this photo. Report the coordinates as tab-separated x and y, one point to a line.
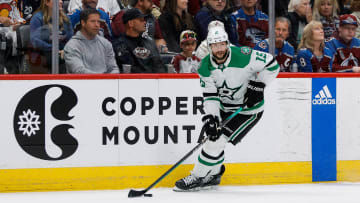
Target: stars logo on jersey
225	91
245	50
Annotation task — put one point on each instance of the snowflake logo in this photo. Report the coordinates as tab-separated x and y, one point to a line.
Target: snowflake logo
29	122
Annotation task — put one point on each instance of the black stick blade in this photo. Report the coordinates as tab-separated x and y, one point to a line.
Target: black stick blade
135	193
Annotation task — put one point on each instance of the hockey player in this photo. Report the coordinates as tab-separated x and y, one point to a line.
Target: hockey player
231	78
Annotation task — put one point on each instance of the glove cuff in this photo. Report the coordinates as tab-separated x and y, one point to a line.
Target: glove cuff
256	86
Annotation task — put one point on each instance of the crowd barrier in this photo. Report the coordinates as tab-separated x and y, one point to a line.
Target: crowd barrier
90	132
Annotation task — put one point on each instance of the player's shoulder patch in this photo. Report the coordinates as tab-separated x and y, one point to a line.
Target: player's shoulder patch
245	50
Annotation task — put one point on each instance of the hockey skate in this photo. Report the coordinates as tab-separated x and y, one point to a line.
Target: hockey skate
210	181
192	183
189	183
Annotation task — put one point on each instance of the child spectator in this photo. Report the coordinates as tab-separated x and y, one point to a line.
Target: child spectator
313	56
186	61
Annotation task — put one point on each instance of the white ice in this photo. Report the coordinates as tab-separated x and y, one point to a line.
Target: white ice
294	193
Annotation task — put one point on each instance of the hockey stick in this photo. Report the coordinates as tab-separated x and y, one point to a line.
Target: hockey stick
138	193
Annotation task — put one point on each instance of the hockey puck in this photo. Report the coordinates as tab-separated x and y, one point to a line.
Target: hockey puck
147	195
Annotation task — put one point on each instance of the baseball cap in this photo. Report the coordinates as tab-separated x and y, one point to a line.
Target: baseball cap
187	35
131	14
348	19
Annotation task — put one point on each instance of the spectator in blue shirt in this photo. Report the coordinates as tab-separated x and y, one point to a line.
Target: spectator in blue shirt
41	34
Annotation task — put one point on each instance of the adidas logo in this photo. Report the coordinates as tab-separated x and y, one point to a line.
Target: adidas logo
324	97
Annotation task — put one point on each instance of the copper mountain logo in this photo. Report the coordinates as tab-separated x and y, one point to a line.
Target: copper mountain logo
41	122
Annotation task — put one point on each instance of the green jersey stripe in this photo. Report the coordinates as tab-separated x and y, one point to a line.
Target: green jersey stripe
210	164
273	68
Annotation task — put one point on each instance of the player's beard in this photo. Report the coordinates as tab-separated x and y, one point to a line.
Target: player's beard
221	58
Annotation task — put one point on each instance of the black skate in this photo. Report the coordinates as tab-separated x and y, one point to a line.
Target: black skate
189	183
210	181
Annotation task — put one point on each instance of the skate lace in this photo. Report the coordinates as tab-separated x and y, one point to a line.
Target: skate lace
189	179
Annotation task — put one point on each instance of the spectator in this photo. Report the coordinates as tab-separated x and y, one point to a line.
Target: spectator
203	49
10	14
355	7
110	7
283	50
325	11
345	47
214	10
132	49
28	7
40	36
345	6
313	56
173	21
10	19
87	51
299	15
152	24
252	25
105	27
186	61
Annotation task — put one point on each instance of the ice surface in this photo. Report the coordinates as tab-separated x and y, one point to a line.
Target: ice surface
295	193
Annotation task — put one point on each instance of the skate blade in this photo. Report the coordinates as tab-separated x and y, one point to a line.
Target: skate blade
209	187
176	189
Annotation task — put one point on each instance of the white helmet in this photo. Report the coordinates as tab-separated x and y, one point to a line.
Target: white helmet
216	35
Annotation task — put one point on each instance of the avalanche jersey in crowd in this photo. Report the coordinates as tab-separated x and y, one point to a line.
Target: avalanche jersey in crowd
105	27
183	64
110	7
224	85
345	55
28	7
284	56
9	9
308	62
251	29
329	26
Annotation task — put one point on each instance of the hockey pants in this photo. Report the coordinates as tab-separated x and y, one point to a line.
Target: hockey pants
212	153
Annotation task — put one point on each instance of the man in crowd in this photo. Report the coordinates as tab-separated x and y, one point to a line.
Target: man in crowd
152	25
251	24
133	49
299	15
345	47
283	50
105	28
111	7
87	52
214	10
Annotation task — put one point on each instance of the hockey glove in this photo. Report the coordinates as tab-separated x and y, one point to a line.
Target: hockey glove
254	93
210	126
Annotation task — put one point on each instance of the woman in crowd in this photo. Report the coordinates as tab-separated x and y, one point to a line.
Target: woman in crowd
313	56
326	11
173	20
355	7
41	36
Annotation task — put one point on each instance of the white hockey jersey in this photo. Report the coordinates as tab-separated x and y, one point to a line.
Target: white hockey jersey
225	85
111	7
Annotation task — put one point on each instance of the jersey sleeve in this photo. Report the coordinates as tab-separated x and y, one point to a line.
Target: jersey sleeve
265	65
211	96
